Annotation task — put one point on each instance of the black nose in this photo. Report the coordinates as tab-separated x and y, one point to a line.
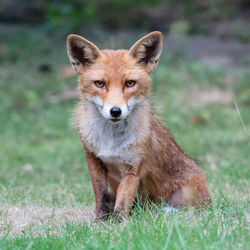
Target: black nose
115	112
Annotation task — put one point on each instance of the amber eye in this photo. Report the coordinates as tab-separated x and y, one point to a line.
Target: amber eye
130	83
99	84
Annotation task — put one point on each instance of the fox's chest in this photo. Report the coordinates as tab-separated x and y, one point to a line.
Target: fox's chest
112	143
114	150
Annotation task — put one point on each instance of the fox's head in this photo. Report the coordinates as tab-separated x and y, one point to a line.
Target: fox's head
116	81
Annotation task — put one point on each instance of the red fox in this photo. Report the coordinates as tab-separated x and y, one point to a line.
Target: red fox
129	152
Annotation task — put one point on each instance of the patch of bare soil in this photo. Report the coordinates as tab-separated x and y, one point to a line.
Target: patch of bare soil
201	97
15	220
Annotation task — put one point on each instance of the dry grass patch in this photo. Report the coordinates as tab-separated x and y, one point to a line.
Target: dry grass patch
15	220
201	97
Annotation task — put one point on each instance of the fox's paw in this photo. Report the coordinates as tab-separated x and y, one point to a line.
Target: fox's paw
119	216
103	216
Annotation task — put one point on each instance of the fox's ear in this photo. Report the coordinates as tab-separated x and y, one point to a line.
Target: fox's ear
147	50
81	52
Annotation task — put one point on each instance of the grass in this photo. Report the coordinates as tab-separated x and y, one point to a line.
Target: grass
43	164
219	228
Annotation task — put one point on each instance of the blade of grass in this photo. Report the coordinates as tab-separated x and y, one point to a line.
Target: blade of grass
242	122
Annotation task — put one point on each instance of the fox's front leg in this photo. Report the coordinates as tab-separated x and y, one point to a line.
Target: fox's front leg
98	176
126	193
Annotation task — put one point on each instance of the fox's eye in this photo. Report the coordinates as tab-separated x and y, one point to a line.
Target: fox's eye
99	84
130	83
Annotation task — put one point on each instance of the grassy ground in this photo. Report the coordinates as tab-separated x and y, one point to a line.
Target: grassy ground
43	168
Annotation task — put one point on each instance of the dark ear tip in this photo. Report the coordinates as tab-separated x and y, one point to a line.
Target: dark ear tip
156	34
71	38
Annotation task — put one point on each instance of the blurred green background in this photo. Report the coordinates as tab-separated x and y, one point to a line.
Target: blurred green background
201	89
199	16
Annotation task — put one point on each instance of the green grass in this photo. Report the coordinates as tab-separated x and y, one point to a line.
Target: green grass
218	228
38	133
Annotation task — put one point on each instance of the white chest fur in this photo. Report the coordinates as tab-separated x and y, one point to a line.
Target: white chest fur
111	142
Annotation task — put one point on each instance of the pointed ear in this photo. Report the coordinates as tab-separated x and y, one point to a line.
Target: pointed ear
147	50
81	52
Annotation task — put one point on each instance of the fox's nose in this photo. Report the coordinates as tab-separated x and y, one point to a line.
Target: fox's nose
115	112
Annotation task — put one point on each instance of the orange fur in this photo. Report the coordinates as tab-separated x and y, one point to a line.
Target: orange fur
149	161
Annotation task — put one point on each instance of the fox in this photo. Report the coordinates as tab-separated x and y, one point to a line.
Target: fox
130	154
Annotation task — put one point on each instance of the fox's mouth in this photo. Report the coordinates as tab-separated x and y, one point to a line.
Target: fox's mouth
115	120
